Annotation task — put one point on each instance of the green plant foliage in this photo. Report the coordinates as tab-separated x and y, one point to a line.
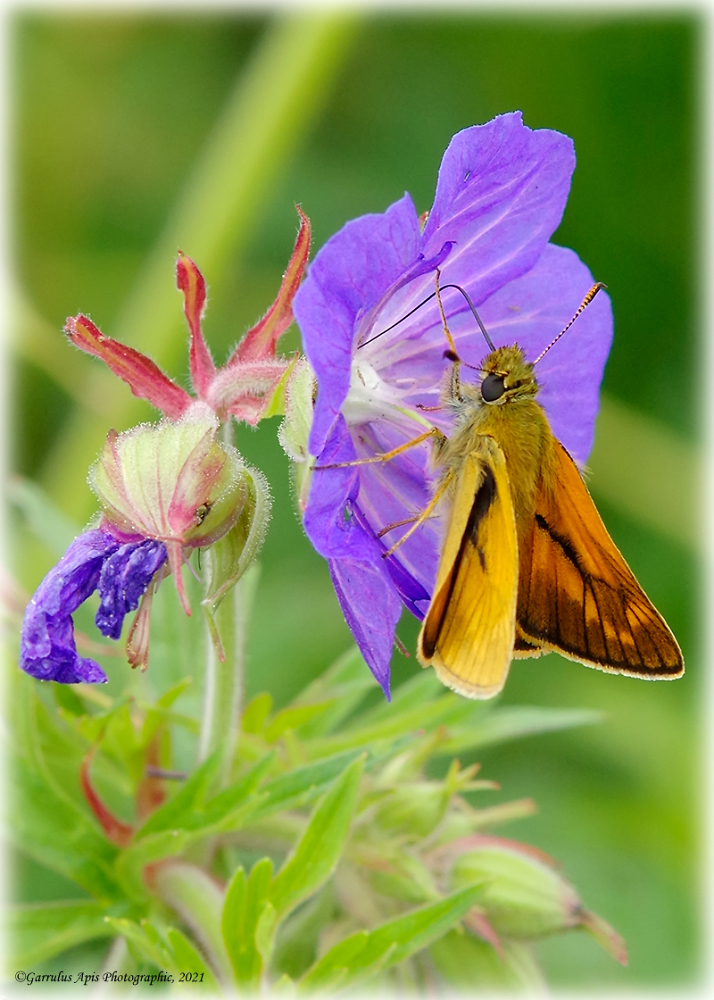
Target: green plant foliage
361	847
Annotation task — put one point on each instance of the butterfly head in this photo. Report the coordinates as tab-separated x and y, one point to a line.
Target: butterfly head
507	376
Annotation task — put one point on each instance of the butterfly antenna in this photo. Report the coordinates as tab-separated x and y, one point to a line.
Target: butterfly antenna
423	302
472	307
583	305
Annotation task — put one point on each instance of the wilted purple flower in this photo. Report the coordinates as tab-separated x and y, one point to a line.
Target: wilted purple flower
94	560
164	490
500	195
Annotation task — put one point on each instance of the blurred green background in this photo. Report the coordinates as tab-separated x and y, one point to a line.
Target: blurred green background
133	135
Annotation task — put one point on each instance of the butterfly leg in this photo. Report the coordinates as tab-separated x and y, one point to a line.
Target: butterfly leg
420	518
386	456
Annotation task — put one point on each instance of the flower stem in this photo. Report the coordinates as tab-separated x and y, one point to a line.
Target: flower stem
223	682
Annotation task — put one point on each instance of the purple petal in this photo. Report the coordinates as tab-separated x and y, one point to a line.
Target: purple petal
47	647
347	278
371	609
125	576
329	518
500	196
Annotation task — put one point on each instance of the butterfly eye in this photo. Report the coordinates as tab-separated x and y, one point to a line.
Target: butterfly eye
492	388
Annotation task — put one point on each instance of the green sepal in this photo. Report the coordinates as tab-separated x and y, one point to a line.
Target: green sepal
229	557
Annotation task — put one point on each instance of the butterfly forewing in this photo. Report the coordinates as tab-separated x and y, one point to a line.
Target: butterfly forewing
468	633
577	595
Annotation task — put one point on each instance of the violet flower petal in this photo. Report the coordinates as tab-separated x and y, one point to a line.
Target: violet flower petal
347	278
125	576
47	646
501	194
371	608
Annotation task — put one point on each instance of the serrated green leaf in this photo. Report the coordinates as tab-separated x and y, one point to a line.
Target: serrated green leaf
389	944
39	932
515	722
314	857
189	959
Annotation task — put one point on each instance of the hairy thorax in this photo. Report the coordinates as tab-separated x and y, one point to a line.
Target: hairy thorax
516	422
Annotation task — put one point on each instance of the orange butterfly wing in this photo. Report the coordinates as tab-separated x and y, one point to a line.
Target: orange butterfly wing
467	635
578	596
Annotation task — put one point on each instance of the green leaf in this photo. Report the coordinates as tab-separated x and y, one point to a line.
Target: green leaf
190	820
302	783
294	717
60	835
256	713
345	683
445	711
41	931
146	943
185	802
315	856
244	903
130	863
363	954
237	799
514	722
188	959
421	689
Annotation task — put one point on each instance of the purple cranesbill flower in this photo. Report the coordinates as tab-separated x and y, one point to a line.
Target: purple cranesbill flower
500	195
94	560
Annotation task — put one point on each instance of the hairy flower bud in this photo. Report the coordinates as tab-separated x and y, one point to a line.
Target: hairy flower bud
524	896
173	482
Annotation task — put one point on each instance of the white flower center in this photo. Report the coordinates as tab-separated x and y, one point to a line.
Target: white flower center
370	397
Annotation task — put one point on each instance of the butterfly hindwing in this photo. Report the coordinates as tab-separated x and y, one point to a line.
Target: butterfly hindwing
576	593
468	632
